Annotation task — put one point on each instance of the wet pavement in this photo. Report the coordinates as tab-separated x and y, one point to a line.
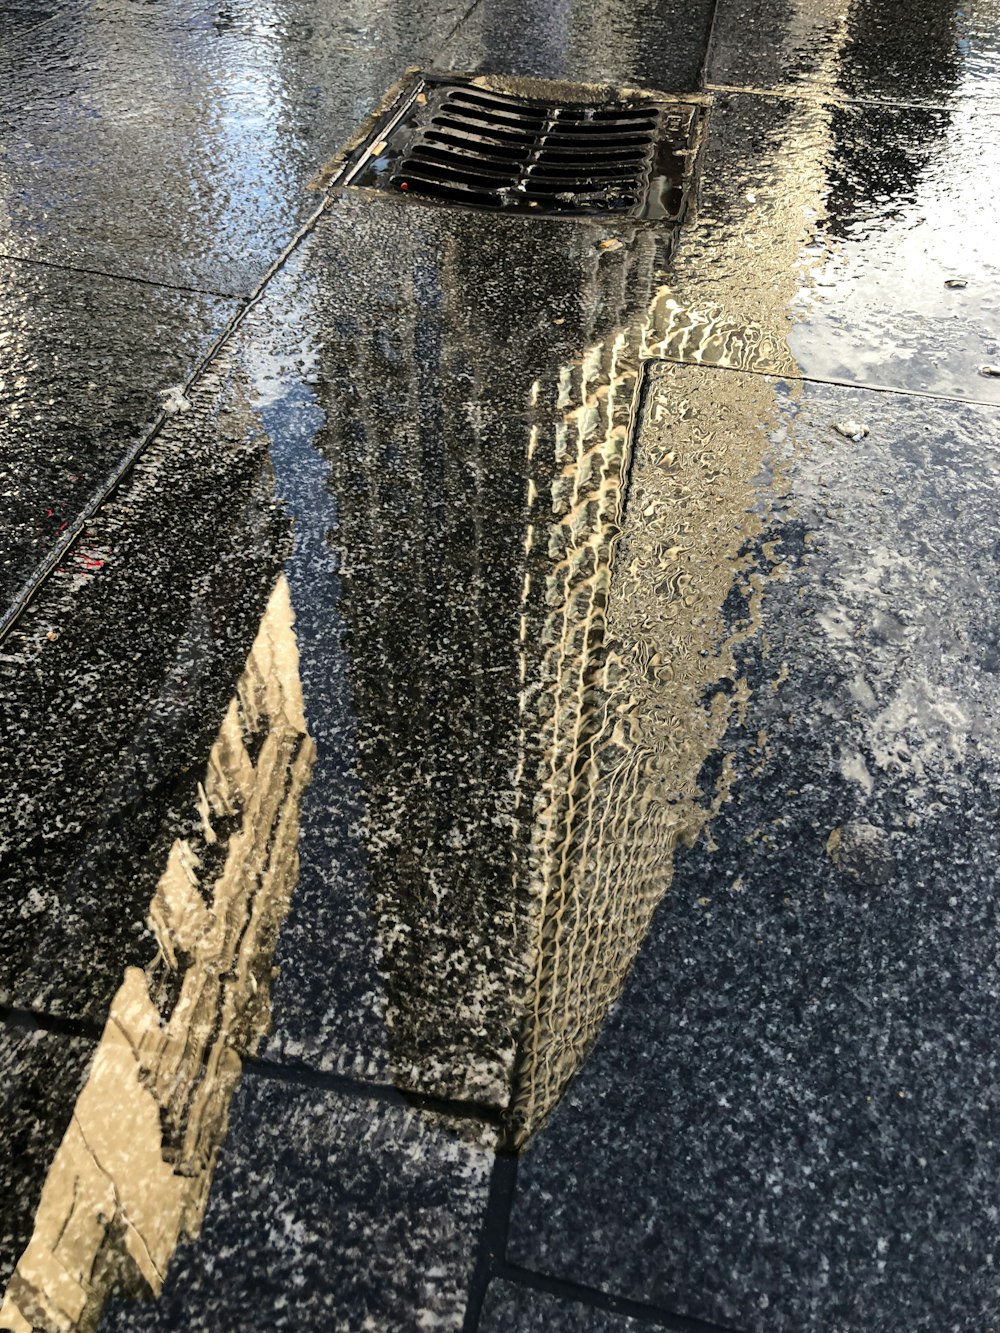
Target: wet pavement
501	758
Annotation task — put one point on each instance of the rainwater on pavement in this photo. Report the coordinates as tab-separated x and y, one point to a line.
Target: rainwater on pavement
501	746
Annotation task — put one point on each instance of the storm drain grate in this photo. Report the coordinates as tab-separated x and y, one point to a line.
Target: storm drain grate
484	148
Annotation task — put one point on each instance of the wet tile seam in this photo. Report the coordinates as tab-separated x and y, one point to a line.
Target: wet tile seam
860	385
459	23
492	1265
578	1293
42	23
492	1246
123	277
706	63
30	1020
833	97
27	1020
326	1081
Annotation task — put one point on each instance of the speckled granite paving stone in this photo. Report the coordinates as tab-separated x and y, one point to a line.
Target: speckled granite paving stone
926	52
825	237
181	152
85	360
297	19
42	1074
513	1309
379	978
638	42
331	1003
387	435
327	1213
113	687
17	18
792	1122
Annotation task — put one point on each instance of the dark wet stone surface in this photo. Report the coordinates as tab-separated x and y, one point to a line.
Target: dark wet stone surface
327	1212
18	18
110	703
825	238
406	480
180	151
42	1074
513	1309
75	397
648	44
791	1120
925	52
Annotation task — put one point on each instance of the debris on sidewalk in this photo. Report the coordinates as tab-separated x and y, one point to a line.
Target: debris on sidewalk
175	400
851	429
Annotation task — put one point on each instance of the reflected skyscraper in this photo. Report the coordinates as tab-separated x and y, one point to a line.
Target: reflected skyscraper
132	1174
535	680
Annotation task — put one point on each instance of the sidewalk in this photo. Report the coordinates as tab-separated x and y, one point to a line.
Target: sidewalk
501	743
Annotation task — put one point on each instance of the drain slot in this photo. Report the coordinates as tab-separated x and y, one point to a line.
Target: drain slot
483	148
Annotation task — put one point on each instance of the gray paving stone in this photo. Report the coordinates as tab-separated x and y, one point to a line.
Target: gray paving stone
328	1212
16	18
400	417
922	52
514	1309
380	433
113	689
86	360
180	152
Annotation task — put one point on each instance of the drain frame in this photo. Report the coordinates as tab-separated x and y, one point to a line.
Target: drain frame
524	137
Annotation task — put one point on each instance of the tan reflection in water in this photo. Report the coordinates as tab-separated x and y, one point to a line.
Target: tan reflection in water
639	681
133	1171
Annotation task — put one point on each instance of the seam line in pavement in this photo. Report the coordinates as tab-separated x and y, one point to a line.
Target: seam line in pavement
492	1264
837	97
122	277
459	23
706	63
492	1247
860	385
30	1021
42	23
329	1081
654	1315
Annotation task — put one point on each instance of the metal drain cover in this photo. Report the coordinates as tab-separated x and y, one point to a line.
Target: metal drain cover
468	142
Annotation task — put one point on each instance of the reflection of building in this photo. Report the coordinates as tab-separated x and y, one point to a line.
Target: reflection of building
647	610
133	1171
440	443
638	684
531	716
